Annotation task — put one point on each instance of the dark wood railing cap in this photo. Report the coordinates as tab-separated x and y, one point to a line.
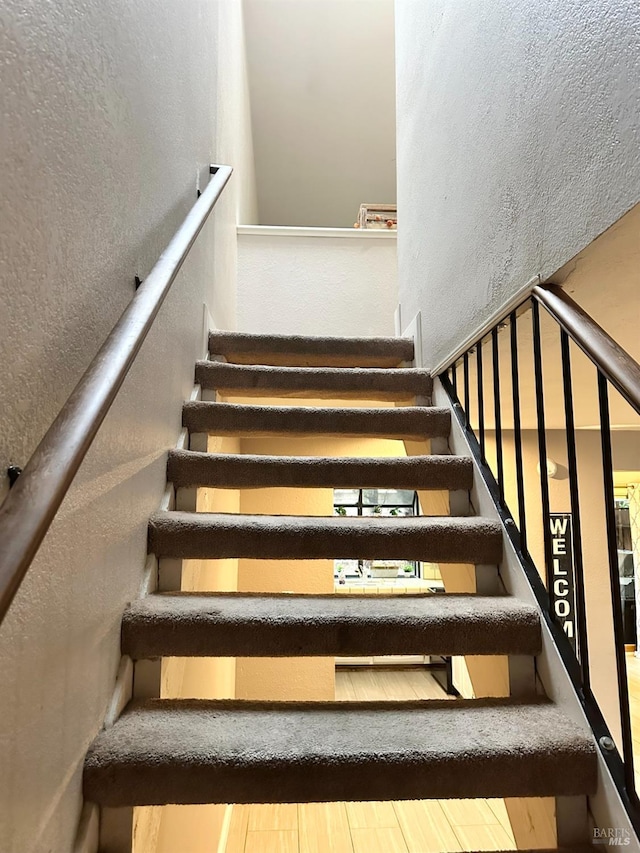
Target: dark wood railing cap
610	358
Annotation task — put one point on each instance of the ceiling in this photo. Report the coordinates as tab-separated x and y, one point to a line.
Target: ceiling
322	87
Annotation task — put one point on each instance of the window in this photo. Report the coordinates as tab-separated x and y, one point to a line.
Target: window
382	502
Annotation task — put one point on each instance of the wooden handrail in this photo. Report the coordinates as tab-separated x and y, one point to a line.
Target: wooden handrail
31	505
610	358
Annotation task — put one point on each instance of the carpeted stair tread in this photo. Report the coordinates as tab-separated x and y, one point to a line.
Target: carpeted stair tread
329	382
203	751
190	624
202	535
408	422
188	468
242	347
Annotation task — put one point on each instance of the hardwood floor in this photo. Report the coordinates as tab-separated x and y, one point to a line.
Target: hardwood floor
376	683
416	826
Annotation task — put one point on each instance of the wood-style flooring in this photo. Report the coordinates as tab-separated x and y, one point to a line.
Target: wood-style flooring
424	826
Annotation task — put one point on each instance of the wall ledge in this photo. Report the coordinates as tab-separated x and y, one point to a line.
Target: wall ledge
294	231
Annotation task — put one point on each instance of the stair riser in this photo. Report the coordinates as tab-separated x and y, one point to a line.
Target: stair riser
257	624
314	382
185	469
200	543
371	780
207	751
297	350
288	359
278	394
255	639
223	419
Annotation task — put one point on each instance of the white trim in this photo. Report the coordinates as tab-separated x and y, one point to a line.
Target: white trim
414	330
183	439
397	321
87	838
291	231
168	499
207	326
494	318
122	692
150	578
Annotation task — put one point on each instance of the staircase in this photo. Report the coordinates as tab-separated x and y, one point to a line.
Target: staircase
163	751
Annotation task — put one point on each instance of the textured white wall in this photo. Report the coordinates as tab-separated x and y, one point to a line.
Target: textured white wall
317	285
323	104
518	143
234	145
111	109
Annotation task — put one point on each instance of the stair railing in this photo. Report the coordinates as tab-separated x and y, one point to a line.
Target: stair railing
36	494
614	366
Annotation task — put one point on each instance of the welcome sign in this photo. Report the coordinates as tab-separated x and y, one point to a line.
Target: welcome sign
562	593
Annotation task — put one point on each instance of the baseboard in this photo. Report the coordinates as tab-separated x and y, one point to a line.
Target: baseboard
414	331
207	326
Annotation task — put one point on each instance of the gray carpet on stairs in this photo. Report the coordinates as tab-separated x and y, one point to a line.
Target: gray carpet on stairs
229	751
199	751
243	625
408	422
310	350
201	535
369	383
186	468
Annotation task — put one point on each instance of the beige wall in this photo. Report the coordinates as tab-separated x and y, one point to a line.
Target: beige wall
294	678
626	452
285	678
188	829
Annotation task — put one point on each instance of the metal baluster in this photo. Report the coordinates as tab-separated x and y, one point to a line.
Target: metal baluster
542	445
465	364
517	430
480	399
614	577
583	645
454	377
497	411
